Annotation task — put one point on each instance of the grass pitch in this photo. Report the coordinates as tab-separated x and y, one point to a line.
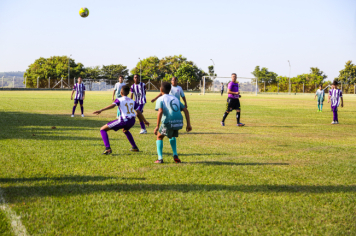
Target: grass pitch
288	171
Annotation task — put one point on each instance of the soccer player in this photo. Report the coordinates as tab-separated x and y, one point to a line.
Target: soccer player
321	96
139	90
222	88
233	101
169	114
79	89
335	95
126	119
176	91
117	91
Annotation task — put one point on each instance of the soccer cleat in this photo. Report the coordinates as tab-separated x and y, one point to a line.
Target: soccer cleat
82	115
176	159
336	122
240	124
159	161
72	116
222	124
107	152
135	149
333	123
143	131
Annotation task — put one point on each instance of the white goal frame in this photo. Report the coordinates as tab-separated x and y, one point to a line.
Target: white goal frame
221	77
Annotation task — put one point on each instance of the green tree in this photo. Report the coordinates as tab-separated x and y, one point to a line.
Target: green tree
348	74
112	72
54	67
186	72
263	75
149	68
93	72
211	71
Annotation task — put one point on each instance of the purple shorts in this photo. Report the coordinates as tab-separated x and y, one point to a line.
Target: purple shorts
116	124
140	107
76	101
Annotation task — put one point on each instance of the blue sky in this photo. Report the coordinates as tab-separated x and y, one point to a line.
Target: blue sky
237	35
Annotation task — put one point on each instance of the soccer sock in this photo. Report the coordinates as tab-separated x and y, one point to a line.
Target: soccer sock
160	149
105	137
224	117
82	108
142	125
130	138
118	112
238	115
321	107
173	143
318	107
73	109
335	116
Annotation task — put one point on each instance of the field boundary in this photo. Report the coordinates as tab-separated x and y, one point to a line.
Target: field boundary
17	227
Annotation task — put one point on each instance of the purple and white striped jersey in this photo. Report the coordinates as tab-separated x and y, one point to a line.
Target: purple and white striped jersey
335	95
127	108
79	91
139	90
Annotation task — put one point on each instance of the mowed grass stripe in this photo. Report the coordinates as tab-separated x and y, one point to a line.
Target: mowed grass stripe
287	171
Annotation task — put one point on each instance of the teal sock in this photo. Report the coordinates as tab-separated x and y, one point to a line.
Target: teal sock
159	149
321	107
318	107
118	112
173	142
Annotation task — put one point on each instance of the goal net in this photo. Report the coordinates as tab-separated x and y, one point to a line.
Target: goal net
211	84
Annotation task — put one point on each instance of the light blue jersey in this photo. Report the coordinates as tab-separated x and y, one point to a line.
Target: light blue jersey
172	117
177	91
117	89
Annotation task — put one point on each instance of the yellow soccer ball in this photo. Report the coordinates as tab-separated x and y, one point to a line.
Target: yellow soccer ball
84	12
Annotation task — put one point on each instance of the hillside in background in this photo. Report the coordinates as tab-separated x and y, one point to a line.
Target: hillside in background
12	74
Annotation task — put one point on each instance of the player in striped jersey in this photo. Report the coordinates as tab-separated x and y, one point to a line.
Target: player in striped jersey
79	90
176	91
335	96
139	90
126	119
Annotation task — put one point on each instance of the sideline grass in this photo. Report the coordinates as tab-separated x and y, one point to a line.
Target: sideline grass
287	172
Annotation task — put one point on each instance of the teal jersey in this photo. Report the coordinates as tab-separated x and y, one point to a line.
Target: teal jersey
117	89
177	91
320	93
172	117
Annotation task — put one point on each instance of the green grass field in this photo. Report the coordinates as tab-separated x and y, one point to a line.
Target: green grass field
287	172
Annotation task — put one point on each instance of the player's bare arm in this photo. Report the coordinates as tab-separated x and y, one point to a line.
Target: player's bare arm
104	109
187	117
185	102
329	98
159	118
230	92
342	102
113	96
83	95
131	96
71	96
140	115
159	95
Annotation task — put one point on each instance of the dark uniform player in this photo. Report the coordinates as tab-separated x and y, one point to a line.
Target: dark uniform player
233	101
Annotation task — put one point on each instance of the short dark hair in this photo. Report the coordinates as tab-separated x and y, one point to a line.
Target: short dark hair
126	90
234	74
320	85
166	87
121	76
80	77
335	83
137	75
174	77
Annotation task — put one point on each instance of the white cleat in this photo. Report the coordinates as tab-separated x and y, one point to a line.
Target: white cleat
72	116
143	131
333	123
82	115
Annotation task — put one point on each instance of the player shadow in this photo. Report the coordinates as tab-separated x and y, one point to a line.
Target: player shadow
194	133
219	163
18	193
194	154
74	178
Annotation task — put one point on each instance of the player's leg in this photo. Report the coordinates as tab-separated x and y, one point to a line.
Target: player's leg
74	107
321	104
82	107
128	134
159	144
228	110
335	118
104	135
238	112
173	141
318	105
142	124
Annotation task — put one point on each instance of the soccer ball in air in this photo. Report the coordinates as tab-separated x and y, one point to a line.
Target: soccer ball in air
84	12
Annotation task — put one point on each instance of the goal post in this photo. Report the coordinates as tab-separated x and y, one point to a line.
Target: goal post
213	83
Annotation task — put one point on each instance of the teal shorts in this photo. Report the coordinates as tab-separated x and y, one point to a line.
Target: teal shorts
170	133
320	100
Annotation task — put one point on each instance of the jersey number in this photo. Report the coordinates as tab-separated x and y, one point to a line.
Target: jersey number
128	109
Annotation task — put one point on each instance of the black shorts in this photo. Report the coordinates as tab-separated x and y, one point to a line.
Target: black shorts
232	104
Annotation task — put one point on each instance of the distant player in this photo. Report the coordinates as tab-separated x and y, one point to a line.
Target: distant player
117	91
321	96
126	119
335	95
222	89
79	90
176	91
233	101
169	114
139	90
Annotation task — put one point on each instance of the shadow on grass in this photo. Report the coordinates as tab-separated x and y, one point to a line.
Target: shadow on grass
219	163
194	133
63	179
13	192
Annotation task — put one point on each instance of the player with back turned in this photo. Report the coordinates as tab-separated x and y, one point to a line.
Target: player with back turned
139	90
233	101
